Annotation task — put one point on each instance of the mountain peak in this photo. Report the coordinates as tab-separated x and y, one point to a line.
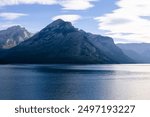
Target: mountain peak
58	21
61	26
15	27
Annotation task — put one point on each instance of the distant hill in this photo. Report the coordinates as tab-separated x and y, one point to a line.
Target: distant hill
138	52
13	36
61	42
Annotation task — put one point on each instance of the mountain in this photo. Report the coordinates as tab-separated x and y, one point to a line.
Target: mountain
13	36
137	51
61	42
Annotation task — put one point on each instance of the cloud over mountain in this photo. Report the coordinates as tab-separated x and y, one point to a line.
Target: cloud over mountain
76	4
71	18
11	16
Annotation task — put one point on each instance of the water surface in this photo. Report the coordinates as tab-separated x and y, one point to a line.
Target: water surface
75	82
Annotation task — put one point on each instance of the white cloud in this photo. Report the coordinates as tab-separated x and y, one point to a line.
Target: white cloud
70	18
66	4
17	2
130	21
76	4
11	16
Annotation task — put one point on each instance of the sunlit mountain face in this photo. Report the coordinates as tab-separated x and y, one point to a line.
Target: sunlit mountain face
13	36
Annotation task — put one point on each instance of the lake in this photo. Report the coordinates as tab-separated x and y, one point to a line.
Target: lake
75	82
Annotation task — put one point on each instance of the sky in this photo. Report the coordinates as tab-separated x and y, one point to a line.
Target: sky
126	21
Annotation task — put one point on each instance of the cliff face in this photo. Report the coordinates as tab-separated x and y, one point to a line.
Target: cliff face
60	42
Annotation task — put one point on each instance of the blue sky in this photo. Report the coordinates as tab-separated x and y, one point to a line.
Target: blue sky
124	20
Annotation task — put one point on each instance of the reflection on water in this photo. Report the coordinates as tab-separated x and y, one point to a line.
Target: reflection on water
75	81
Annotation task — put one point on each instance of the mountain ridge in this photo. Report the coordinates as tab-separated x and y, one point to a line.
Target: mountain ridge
61	42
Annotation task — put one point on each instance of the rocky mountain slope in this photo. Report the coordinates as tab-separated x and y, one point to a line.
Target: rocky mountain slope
13	36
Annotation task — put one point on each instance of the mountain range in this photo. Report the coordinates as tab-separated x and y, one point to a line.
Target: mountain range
139	52
61	42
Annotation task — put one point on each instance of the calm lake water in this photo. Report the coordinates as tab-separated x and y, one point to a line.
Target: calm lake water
75	81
